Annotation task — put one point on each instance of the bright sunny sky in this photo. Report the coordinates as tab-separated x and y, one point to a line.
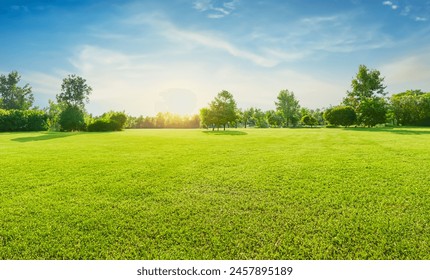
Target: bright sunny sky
176	55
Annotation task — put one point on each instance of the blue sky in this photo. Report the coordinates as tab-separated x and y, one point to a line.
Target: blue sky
176	55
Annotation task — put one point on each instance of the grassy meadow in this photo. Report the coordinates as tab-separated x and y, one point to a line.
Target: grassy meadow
193	194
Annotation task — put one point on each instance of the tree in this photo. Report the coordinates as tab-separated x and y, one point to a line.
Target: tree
372	111
72	119
274	118
288	107
222	110
367	96
12	96
411	107
309	120
340	115
74	91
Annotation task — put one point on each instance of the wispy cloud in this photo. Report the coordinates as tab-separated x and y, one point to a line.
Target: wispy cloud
215	11
406	71
421	19
390	4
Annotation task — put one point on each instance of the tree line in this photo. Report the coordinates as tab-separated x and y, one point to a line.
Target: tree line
365	104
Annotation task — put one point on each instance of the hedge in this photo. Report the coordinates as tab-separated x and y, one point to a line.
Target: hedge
23	120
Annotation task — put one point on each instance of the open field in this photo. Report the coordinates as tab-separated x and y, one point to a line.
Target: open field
193	194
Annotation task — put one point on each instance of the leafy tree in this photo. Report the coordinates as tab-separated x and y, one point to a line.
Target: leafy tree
72	119
288	107
74	91
367	96
222	110
309	120
260	119
410	107
372	111
12	96
341	115
274	118
247	116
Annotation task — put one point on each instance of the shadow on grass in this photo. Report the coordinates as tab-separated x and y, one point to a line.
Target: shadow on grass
44	136
226	132
395	130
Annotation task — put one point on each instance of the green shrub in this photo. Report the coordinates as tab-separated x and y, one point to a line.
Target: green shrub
23	120
111	121
72	119
102	125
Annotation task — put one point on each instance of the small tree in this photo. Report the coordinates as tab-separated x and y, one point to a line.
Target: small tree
309	120
12	96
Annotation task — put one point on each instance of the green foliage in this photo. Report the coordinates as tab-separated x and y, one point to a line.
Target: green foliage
110	121
23	120
367	97
274	118
367	84
309	120
74	92
337	194
102	125
221	112
164	120
411	107
13	97
288	107
340	115
372	111
72	119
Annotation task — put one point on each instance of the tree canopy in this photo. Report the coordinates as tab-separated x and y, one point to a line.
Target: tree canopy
74	91
288	107
367	97
13	96
222	111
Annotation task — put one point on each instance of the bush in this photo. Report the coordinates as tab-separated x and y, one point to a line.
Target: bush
111	121
102	125
23	120
341	115
72	119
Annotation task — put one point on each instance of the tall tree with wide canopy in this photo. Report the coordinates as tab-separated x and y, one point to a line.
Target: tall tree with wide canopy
74	94
222	110
367	96
288	107
74	91
13	96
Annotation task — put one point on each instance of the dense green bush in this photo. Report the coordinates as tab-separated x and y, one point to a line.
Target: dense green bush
111	121
23	120
72	119
340	115
102	125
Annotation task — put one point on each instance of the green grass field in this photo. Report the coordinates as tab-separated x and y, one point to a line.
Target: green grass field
194	194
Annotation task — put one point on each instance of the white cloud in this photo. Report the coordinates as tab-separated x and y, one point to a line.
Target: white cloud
215	11
409	72
420	19
390	4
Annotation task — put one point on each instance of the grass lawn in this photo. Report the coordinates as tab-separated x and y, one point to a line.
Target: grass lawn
194	194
